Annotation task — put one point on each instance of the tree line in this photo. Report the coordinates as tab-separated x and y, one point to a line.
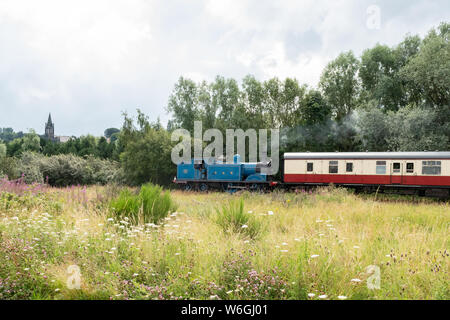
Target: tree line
14	144
388	99
391	98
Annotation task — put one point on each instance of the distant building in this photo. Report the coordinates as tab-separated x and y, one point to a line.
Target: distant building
50	132
63	138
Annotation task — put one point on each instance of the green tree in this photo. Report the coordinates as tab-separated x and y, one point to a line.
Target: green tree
225	95
146	155
208	109
271	102
380	78
114	137
8	134
315	109
428	72
110	131
9	167
14	148
183	104
339	83
31	142
49	147
414	129
87	145
105	149
2	150
373	129
292	99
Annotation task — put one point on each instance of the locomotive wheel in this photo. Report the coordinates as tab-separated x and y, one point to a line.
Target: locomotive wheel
228	187
203	187
187	187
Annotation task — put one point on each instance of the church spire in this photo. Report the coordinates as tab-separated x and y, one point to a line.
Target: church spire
50	128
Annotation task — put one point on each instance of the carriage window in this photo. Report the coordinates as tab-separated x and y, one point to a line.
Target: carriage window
309	167
396	167
410	167
349	167
431	167
333	168
381	167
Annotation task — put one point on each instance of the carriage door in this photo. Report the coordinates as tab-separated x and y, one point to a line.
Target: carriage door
396	172
309	176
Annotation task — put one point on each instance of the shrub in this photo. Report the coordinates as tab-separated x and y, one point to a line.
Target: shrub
155	204
8	167
100	171
233	218
126	205
151	205
63	170
30	168
66	169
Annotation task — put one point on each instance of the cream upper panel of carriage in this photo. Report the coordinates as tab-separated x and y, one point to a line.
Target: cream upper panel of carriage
368	166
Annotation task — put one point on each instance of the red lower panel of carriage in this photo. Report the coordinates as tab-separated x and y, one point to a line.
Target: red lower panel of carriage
368	179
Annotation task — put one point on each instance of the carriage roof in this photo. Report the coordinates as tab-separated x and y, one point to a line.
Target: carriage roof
368	155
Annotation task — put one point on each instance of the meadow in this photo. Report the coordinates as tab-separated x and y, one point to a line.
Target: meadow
69	243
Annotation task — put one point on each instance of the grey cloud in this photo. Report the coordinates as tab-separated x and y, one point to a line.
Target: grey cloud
88	66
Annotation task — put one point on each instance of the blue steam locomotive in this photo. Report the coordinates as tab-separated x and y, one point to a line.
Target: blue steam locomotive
212	173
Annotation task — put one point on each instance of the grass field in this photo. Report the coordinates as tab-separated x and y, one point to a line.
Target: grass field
315	245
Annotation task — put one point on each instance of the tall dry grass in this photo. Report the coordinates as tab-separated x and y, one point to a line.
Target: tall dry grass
314	246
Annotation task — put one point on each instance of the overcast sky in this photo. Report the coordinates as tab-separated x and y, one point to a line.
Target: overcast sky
86	61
